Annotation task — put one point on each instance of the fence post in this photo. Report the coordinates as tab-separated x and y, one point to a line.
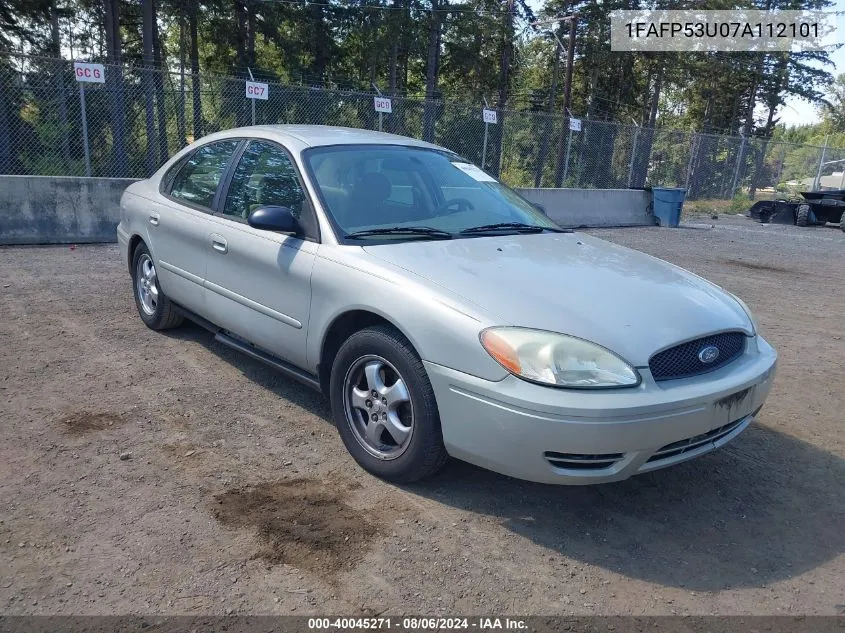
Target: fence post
484	147
84	117
821	164
633	156
378	92
738	164
566	160
252	101
692	151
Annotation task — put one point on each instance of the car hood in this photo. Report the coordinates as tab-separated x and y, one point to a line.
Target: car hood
576	284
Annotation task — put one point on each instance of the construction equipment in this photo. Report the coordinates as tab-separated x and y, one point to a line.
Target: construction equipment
814	207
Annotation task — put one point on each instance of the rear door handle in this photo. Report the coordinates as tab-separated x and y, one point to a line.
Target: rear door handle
154	219
219	244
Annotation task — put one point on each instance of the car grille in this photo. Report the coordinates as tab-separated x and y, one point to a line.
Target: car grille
580	461
682	360
690	444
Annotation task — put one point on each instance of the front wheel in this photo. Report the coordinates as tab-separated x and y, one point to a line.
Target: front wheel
156	310
384	406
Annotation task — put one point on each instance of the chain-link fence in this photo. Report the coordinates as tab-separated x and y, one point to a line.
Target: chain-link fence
52	125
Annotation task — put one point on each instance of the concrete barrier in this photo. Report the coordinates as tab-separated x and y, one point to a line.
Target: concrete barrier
67	209
59	209
594	207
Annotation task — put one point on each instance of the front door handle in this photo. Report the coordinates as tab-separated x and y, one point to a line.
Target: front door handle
154	219
219	244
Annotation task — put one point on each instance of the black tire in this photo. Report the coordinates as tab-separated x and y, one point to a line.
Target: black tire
842	222
802	216
425	453
164	315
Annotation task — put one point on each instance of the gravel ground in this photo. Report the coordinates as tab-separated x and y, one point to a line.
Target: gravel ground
162	473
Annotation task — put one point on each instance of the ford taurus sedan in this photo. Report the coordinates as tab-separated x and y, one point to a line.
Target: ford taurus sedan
441	313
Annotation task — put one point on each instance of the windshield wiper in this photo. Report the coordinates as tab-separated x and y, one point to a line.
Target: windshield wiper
423	232
511	226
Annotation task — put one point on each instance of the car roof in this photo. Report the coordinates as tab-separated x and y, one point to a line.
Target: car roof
299	137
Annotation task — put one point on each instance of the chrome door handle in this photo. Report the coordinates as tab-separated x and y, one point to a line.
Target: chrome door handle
219	244
154	219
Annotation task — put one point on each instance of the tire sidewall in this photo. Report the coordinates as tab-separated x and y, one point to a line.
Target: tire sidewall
426	434
151	320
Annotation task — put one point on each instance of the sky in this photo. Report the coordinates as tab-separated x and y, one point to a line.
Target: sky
799	112
795	111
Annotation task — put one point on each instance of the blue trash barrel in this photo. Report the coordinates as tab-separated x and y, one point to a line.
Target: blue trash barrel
667	203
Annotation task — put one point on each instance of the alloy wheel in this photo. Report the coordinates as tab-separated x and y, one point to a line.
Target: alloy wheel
146	284
378	407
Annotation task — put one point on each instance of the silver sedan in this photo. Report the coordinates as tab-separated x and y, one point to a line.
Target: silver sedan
440	313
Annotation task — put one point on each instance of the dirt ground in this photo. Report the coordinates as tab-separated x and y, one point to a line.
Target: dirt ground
163	473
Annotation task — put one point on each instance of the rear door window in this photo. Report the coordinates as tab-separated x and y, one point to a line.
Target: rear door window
197	181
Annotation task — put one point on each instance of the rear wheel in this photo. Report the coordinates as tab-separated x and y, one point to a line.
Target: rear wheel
802	217
155	309
384	407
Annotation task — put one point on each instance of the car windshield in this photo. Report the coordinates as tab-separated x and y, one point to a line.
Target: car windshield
393	192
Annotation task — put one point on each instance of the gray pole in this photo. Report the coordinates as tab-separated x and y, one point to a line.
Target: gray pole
738	164
633	156
821	164
484	148
691	158
560	174
252	78
378	92
566	160
84	129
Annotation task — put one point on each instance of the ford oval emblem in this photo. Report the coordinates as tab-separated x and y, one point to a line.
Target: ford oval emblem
708	354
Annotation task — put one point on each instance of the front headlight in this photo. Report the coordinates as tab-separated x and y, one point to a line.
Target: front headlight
557	359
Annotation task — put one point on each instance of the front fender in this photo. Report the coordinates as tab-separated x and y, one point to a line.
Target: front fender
442	329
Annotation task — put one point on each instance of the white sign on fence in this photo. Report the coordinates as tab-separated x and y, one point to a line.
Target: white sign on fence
383	104
575	125
489	116
256	90
94	73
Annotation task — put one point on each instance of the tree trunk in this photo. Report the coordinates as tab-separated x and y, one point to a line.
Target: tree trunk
56	46
504	86
147	80
196	95
250	34
549	122
6	159
321	42
114	79
159	56
567	95
234	89
395	26
759	161
645	137
180	105
394	30
432	69
773	100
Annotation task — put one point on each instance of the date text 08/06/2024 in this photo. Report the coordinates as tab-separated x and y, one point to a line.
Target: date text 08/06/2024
417	623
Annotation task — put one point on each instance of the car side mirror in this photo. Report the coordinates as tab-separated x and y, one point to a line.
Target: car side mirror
274	218
540	208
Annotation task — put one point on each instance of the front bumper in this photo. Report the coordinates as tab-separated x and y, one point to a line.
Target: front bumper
566	436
